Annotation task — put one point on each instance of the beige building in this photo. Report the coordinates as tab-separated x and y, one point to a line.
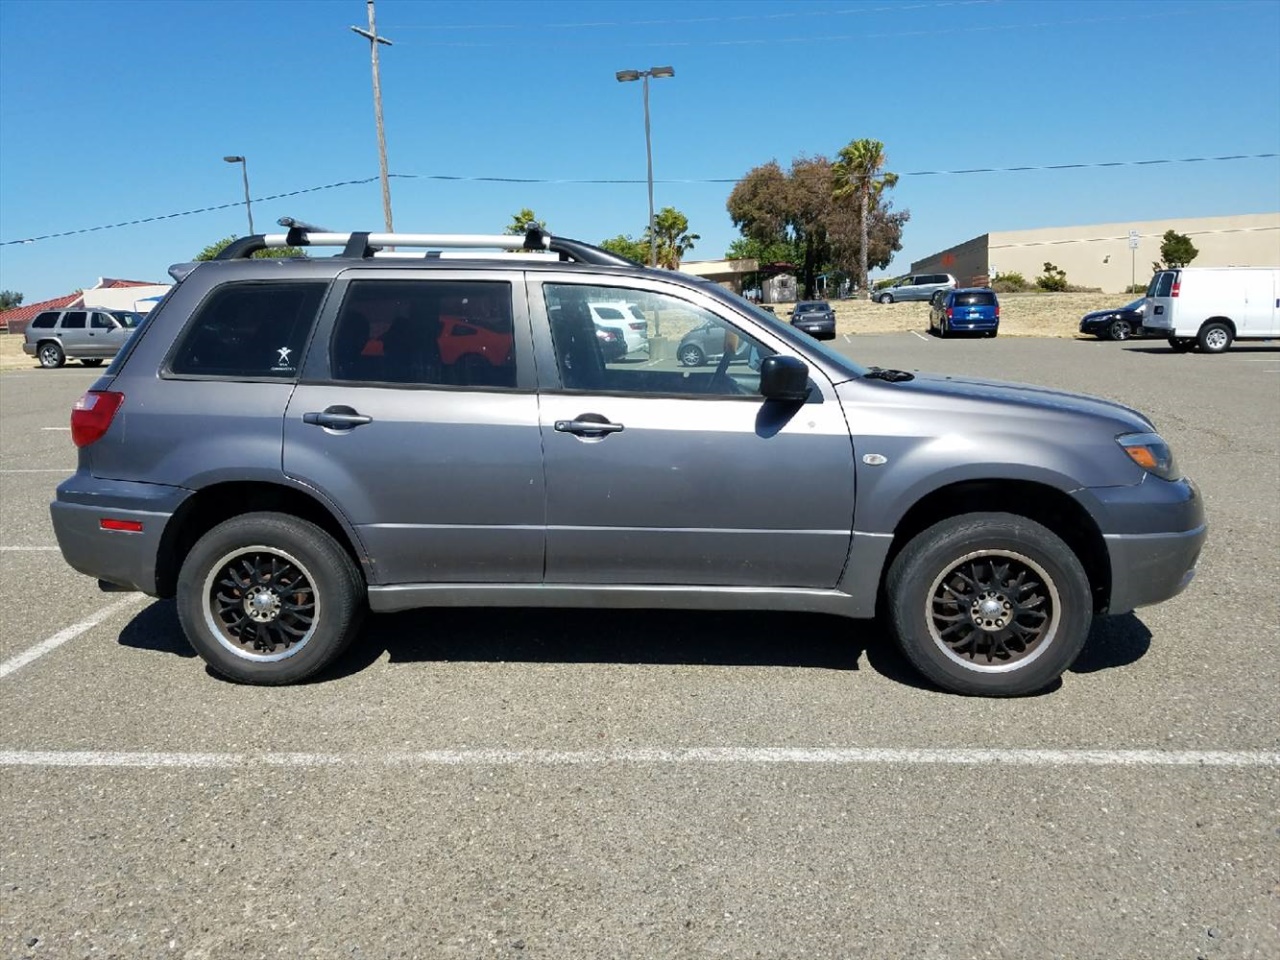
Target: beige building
1100	255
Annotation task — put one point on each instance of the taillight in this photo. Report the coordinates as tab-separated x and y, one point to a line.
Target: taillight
92	415
950	313
1177	284
997	311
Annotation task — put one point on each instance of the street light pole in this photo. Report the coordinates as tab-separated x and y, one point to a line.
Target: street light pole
372	36
626	76
244	170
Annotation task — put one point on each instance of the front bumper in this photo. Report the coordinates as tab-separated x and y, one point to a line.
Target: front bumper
1154	532
126	559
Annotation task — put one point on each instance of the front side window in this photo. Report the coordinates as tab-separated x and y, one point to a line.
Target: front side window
451	333
250	330
700	354
74	320
102	322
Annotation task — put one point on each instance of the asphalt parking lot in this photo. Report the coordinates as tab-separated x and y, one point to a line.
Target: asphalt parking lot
663	784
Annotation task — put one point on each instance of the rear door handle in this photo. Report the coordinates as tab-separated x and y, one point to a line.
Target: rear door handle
588	427
336	418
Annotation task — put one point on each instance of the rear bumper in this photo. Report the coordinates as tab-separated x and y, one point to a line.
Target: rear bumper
29	349
126	559
981	324
818	329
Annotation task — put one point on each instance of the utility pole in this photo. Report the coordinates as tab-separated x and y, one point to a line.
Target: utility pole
372	36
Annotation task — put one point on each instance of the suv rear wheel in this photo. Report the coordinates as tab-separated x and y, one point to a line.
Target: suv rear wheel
268	598
51	355
989	604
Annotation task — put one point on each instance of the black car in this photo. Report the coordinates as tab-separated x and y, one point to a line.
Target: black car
815	318
1118	324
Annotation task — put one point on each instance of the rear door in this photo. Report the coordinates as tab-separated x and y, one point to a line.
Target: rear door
73	332
660	473
1159	314
432	452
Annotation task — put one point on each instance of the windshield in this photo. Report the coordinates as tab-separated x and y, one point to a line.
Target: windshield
1136	305
786	332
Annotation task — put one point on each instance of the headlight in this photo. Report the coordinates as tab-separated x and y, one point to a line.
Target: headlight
1151	453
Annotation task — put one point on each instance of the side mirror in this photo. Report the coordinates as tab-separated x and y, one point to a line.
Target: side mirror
784	378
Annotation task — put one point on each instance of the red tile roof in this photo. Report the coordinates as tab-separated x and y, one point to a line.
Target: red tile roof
21	315
106	283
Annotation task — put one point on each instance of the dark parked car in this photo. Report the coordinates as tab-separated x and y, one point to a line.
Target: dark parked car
251	454
1118	324
967	310
815	318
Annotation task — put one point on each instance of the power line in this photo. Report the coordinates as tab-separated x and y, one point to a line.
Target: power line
624	181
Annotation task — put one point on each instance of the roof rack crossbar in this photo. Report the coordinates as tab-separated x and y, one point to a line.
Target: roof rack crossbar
360	245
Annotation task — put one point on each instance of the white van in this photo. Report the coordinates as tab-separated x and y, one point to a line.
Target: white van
1210	307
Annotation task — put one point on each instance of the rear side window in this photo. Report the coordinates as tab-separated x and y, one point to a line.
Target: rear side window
980	299
45	320
74	320
448	333
250	330
609	313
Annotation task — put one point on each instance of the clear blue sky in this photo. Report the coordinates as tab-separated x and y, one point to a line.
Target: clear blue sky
114	111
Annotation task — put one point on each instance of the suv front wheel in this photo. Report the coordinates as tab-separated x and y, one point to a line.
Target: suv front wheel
268	598
989	604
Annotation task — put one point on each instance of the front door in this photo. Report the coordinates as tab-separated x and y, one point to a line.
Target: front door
417	413
659	472
106	336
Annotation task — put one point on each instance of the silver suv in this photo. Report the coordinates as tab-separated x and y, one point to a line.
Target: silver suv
284	443
921	286
86	334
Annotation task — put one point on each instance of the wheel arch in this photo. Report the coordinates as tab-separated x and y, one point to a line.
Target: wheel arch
1047	505
212	505
1225	321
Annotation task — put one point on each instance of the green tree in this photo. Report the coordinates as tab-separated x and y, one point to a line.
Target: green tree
9	299
1053	279
522	221
1176	250
858	172
671	227
627	246
213	249
800	208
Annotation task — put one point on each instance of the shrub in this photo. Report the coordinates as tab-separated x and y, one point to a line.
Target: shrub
1054	279
1010	283
1136	288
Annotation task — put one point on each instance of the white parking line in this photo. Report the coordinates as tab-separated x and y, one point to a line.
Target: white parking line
63	470
916	333
26	549
642	756
55	428
62	636
848	339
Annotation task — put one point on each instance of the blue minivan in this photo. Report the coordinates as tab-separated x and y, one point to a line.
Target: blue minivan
966	310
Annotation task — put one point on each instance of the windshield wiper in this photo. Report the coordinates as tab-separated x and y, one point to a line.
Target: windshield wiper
891	376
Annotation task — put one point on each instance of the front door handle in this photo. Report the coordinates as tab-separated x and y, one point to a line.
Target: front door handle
588	425
336	418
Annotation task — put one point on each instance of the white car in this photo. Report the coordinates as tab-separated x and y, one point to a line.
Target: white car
627	317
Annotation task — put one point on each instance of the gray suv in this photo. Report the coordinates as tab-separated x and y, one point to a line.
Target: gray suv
921	286
285	443
86	334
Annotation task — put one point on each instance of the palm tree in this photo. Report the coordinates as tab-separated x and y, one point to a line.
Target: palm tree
670	226
859	171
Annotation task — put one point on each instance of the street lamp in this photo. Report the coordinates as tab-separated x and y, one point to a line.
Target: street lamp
372	36
626	76
244	169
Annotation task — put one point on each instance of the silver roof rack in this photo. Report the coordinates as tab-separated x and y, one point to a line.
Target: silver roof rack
367	245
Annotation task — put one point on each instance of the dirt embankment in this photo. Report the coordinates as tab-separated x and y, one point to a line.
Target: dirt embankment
1021	314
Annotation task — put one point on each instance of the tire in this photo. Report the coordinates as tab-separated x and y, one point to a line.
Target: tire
1214	337
942	329
1119	329
955	578
263	561
991	334
50	355
691	355
1181	344
886	298
92	362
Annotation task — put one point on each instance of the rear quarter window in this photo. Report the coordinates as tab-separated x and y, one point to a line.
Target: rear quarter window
249	330
45	320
